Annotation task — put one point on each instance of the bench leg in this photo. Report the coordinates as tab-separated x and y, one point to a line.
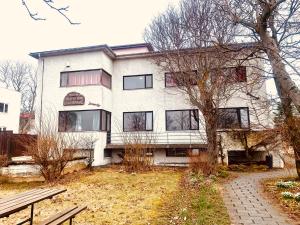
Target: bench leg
71	220
31	214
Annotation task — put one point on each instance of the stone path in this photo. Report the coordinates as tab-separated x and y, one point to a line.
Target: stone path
245	203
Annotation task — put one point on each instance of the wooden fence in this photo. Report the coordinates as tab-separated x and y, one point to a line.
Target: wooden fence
12	145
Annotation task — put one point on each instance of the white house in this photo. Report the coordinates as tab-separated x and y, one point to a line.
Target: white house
100	90
10	103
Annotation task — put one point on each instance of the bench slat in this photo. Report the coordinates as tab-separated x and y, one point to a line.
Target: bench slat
65	217
15	206
20	195
54	217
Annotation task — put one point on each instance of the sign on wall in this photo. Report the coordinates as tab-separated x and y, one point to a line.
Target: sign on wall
74	98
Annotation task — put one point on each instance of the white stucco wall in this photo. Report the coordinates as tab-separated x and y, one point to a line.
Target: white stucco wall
157	99
10	120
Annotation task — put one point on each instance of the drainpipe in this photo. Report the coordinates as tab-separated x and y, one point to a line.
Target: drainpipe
42	91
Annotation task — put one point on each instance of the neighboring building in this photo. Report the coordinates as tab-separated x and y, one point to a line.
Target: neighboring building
114	93
10	103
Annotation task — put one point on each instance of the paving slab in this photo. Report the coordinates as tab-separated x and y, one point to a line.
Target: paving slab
245	202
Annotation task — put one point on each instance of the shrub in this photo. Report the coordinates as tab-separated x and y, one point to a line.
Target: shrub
223	173
297	197
287	195
285	184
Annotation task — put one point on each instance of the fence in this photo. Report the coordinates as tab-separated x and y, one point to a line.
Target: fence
11	144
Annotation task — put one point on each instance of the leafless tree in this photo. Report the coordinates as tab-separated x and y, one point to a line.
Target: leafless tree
275	24
62	10
190	41
21	77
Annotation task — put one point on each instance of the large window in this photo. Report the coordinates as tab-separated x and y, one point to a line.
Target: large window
138	121
233	118
182	120
137	82
234	74
3	108
87	77
89	120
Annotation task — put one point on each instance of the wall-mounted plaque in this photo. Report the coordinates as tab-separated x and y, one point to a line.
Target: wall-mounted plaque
74	98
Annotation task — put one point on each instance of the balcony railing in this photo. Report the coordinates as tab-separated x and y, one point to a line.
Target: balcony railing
157	138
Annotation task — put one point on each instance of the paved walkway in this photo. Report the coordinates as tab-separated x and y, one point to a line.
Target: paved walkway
245	203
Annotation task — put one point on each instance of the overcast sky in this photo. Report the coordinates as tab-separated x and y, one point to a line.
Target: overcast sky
111	22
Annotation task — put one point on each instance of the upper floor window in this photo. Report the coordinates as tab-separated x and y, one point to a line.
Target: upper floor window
182	119
233	118
137	121
180	79
85	120
3	107
87	77
137	82
235	74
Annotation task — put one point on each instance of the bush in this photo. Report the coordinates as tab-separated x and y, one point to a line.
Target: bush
287	195
223	174
285	184
297	197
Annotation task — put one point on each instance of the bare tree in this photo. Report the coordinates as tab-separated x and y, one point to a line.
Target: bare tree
275	24
62	10
190	41
21	77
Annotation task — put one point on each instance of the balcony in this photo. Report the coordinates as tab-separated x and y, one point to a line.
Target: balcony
179	139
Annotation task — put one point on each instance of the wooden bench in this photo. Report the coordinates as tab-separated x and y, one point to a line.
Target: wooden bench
62	217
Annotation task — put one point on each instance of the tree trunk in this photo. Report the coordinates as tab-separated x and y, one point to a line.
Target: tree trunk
281	75
212	144
293	128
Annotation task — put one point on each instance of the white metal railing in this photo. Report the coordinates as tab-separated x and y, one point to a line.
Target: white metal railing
178	137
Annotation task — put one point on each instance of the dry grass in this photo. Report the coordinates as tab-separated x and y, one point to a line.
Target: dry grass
112	197
289	206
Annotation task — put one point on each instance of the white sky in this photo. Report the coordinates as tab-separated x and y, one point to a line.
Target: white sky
111	22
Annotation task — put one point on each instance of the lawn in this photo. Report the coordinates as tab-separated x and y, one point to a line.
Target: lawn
113	198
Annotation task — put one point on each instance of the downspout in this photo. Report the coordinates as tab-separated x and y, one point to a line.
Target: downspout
42	91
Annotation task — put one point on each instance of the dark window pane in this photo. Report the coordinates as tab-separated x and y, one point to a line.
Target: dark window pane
6	108
149	81
107	153
79	120
108	118
170	81
138	121
233	118
240	74
173	152
182	120
1	107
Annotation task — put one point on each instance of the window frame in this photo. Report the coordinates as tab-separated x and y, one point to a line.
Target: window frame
5	107
238	116
145	121
190	122
145	81
87	70
100	121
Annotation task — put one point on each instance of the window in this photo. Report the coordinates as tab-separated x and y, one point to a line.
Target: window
189	78
137	82
89	120
176	152
235	74
138	121
107	153
87	77
233	118
182	120
3	107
